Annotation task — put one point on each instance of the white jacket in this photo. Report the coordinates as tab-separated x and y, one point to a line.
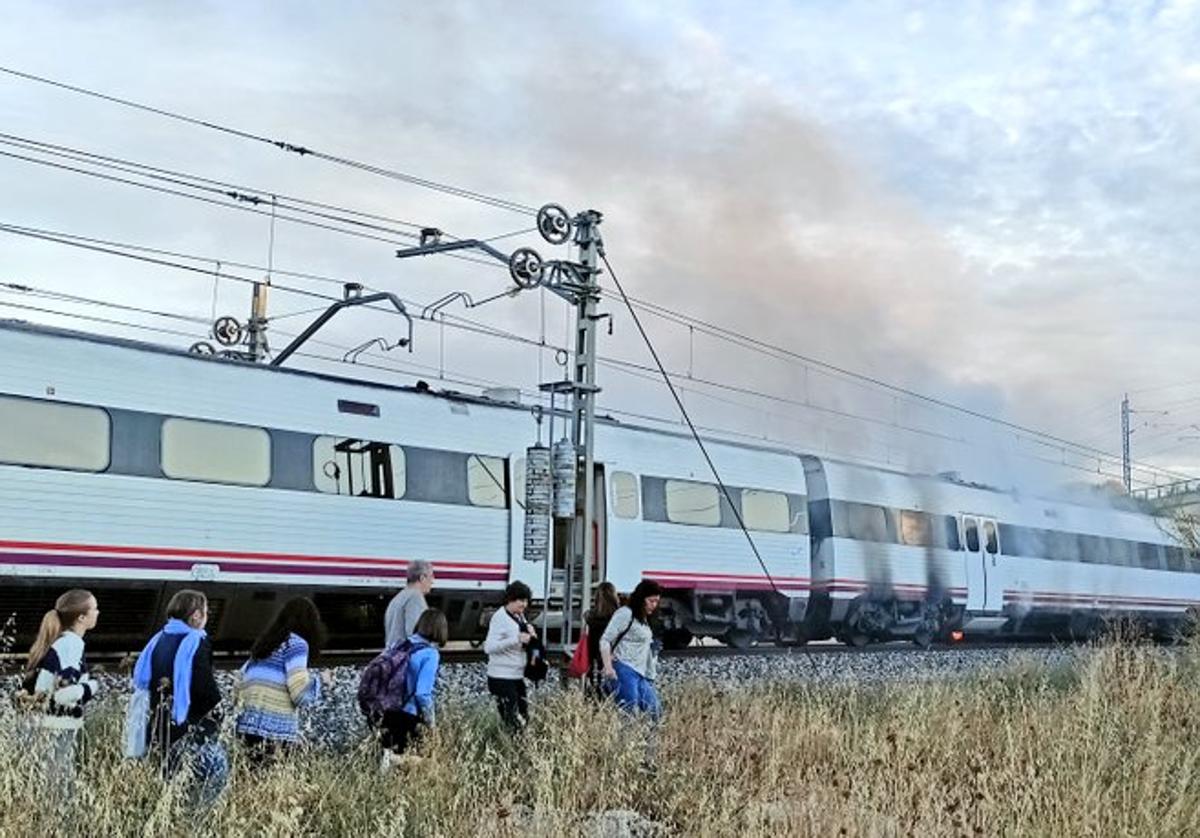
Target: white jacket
506	655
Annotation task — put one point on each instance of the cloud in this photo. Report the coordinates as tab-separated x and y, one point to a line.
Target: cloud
989	206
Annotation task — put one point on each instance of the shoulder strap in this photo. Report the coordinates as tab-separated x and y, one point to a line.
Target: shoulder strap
624	632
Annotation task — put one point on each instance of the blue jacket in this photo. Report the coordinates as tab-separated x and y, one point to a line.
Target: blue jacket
422	676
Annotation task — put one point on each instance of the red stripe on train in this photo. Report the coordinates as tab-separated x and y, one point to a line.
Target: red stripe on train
190	552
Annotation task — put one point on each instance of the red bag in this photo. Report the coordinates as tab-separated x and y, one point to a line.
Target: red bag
581	660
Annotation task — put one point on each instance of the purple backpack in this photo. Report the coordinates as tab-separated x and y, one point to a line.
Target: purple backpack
383	686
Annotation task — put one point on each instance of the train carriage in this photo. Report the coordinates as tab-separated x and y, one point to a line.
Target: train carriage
901	555
137	470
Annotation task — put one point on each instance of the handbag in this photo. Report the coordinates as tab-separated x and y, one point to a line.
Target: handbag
581	660
137	718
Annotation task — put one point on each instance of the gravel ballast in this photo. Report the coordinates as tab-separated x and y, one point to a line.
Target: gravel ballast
335	721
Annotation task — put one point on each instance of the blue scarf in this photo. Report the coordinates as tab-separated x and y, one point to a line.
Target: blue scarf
181	678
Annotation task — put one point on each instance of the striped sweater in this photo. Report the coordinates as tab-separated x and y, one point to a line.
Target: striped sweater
62	680
273	688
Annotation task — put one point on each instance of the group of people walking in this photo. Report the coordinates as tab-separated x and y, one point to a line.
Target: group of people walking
175	710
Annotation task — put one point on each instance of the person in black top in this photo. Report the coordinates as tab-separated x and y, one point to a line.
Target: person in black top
604	606
185	701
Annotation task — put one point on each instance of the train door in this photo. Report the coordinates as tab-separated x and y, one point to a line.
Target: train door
598	535
981	546
534	573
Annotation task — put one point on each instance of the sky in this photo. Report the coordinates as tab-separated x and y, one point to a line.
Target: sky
990	204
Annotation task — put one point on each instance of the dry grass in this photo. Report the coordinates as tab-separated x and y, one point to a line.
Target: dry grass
1109	748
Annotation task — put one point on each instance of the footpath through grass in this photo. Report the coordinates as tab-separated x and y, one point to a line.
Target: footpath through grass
1111	747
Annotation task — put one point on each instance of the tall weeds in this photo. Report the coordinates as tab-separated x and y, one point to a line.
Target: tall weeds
1108	747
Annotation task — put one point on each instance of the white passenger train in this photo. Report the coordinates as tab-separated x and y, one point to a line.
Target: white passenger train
136	470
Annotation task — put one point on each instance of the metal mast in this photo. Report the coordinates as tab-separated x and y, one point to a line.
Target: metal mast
1126	470
576	283
583	418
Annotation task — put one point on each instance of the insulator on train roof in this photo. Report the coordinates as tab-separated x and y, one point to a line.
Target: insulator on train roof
565	466
538	491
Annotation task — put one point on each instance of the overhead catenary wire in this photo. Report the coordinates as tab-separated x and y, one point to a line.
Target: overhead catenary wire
784	353
458	322
241	206
230	196
241	191
283	145
674	316
734	507
490	200
411	369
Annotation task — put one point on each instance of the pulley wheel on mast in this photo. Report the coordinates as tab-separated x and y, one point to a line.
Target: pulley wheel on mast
227	331
526	268
554	223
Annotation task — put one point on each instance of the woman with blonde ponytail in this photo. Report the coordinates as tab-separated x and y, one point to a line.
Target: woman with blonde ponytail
57	683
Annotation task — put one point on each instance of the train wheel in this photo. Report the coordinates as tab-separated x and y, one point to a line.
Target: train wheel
677	638
740	639
854	638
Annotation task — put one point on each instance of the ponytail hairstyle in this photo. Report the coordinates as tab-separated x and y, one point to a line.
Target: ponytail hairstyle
67	609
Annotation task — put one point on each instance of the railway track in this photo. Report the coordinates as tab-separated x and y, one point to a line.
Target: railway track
471	655
122	661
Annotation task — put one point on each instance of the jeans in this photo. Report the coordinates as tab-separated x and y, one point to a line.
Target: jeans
635	692
209	766
510	701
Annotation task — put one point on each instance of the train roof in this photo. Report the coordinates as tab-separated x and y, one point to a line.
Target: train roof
446	395
945	478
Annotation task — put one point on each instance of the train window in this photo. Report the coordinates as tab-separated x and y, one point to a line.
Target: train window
993	541
767	511
1191	561
345	466
971	527
1094	549
798	506
949	539
916	528
434	476
1064	546
1149	556
1015	543
867	522
624	495
486	483
214	452
693	503
518	467
1035	543
1119	552
52	435
1175	559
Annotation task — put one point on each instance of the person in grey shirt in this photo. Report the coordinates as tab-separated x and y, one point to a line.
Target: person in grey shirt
406	607
630	653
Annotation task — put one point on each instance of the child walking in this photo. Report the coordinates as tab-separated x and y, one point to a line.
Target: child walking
57	684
